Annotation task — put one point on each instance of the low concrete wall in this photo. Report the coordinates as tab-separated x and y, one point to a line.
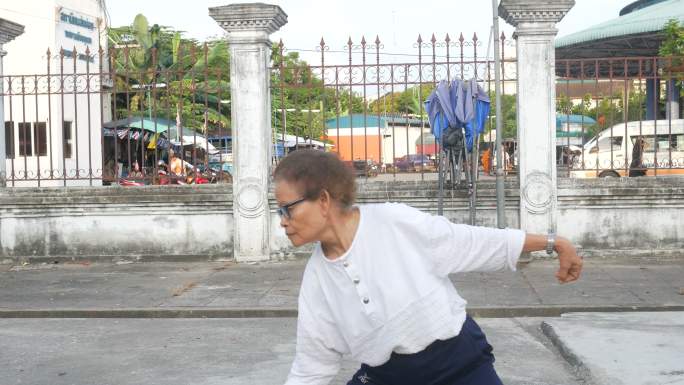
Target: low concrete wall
609	217
624	216
173	222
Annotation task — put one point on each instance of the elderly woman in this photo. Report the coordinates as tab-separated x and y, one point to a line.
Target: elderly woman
377	288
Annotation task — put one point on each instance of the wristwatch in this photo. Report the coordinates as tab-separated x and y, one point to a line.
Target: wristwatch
550	243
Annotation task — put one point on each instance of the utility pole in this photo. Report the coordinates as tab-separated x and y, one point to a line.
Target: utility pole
500	192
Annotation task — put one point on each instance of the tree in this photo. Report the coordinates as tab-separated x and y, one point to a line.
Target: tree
672	48
409	101
509	116
298	92
583	107
607	111
636	105
564	104
158	70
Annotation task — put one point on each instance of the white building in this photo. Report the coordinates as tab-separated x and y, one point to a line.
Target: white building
54	106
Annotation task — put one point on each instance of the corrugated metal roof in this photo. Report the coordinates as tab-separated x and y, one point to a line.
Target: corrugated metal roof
398	119
649	19
562	119
356	121
637	5
372	120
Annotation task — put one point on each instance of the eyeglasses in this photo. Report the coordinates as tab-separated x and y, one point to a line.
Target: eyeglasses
284	210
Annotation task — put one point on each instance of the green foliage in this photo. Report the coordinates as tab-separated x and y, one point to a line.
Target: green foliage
296	87
563	104
508	115
159	72
409	101
607	111
673	44
672	48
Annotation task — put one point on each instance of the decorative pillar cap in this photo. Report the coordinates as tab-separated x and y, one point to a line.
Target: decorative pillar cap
249	17
534	11
9	30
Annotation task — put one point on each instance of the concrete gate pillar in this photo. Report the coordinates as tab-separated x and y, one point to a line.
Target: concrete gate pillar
8	31
535	22
249	27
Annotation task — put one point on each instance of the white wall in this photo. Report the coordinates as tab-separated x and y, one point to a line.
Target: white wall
117	222
621	217
400	141
27	61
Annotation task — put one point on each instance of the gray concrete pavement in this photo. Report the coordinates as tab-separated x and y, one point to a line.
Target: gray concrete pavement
103	323
625	349
215	351
216	289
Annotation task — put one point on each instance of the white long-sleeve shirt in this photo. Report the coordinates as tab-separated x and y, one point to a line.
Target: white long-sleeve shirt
390	292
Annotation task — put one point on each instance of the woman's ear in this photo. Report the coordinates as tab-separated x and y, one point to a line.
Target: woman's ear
325	201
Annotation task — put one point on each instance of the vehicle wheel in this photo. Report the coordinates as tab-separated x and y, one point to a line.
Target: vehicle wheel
609	174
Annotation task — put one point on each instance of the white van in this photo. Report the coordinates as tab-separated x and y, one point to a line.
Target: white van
609	154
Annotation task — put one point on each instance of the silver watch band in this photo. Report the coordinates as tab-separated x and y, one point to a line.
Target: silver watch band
550	243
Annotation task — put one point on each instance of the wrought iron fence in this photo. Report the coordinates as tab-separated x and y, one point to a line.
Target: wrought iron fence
369	106
113	117
620	116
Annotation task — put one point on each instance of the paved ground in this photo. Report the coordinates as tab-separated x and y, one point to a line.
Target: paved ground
226	289
109	323
627	348
216	351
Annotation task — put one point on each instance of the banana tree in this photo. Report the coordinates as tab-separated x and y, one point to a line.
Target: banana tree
181	78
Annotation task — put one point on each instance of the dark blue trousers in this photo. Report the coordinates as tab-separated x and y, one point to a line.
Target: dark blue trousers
466	359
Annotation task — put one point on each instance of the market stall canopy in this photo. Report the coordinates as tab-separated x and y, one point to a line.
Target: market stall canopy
157	125
572	120
198	140
293	140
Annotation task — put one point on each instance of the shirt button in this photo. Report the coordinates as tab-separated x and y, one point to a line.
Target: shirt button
345	264
356	281
366	300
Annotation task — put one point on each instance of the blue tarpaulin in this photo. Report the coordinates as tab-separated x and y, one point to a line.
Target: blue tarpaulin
458	105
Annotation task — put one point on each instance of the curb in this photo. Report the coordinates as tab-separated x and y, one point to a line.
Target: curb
567	353
557	311
149	313
143	258
477	312
291	255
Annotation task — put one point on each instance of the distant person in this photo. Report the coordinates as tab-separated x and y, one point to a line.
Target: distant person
636	166
175	164
377	286
109	170
565	157
487	160
507	159
162	173
135	173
